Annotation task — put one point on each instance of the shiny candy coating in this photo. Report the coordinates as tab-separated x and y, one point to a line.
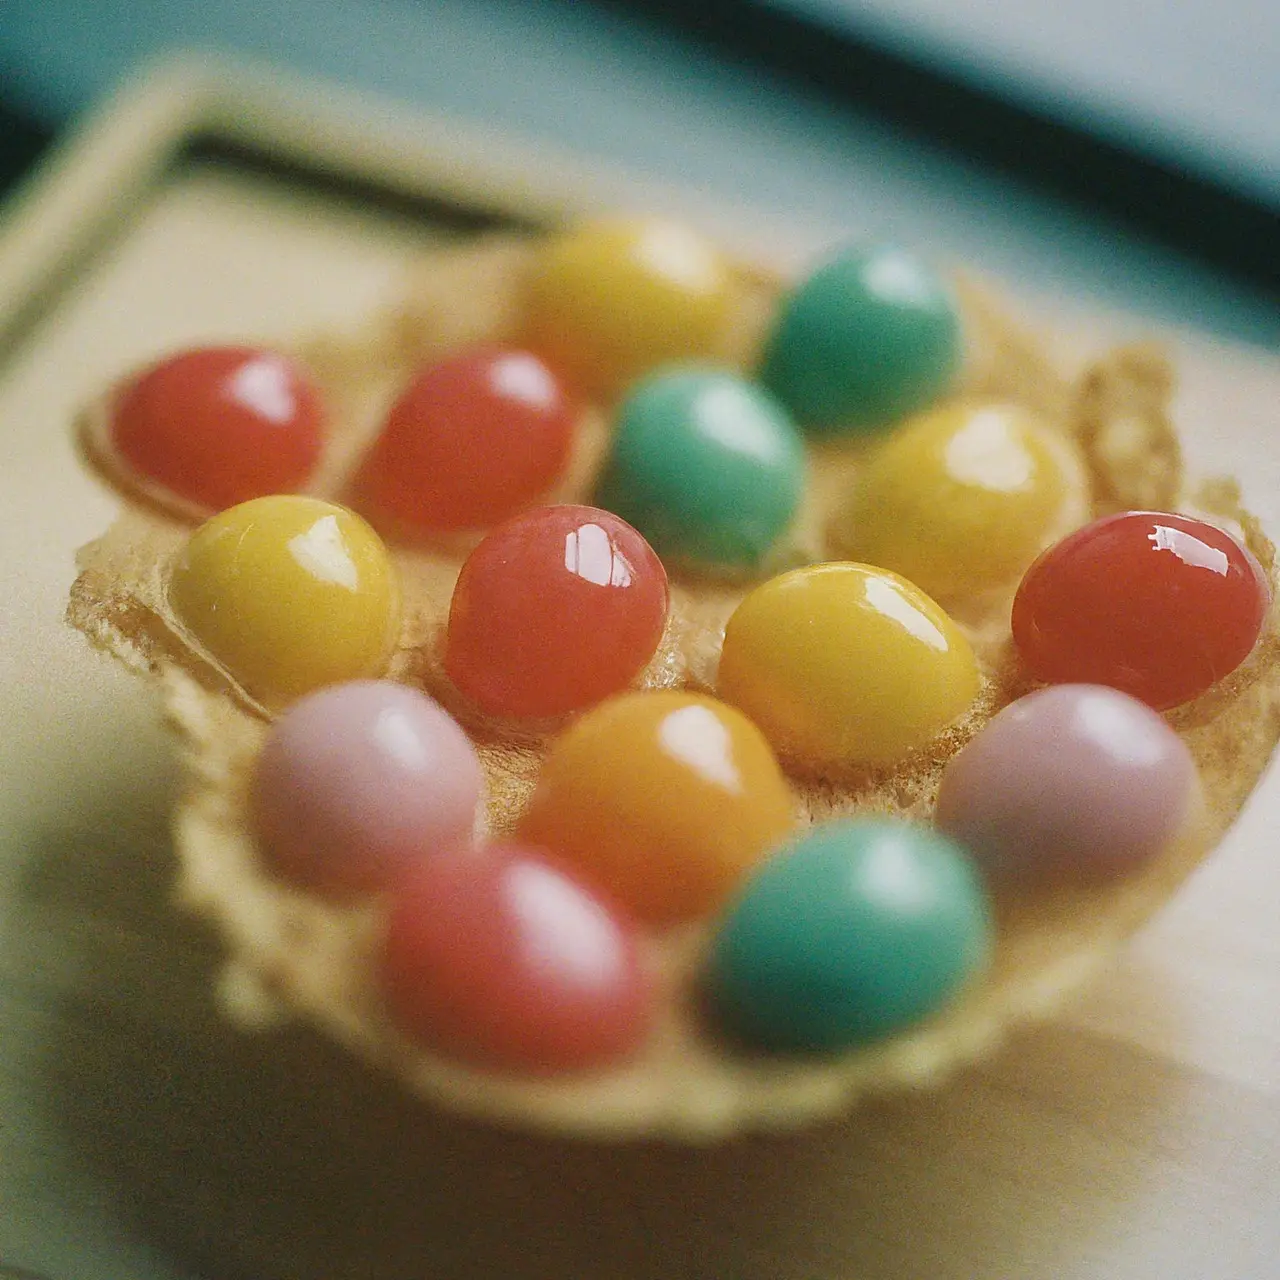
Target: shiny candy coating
960	499
871	336
609	300
219	425
288	594
556	609
846	664
708	466
1073	782
470	441
500	958
859	929
1161	606
358	782
664	799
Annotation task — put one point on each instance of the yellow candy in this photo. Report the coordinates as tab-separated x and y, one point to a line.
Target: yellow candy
663	799
963	499
288	594
846	664
609	300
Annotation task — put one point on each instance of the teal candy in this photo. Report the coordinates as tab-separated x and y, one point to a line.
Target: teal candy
853	932
868	338
709	467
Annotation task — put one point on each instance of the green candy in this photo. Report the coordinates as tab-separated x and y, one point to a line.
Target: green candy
853	932
868	338
709	467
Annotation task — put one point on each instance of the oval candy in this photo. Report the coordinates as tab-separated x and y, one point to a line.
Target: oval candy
501	959
470	441
215	426
665	799
360	781
706	465
962	499
557	608
1158	605
856	931
288	594
844	664
1073	782
608	300
869	337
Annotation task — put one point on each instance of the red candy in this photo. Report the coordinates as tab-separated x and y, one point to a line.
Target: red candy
220	425
501	959
553	611
1160	606
473	439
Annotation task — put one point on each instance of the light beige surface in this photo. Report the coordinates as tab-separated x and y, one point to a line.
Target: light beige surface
1137	1137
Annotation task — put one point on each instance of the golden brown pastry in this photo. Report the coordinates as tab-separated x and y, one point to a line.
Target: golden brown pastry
290	949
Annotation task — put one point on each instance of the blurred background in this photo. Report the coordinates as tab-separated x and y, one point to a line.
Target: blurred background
1122	152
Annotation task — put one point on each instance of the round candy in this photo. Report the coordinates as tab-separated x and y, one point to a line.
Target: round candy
962	498
360	781
857	930
844	664
501	959
868	338
663	799
470	441
289	594
707	466
610	300
220	425
556	609
1159	605
1071	782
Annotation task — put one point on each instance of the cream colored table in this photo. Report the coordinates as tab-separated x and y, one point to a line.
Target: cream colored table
1135	1138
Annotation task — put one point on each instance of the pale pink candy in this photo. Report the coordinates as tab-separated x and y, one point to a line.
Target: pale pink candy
1071	782
359	781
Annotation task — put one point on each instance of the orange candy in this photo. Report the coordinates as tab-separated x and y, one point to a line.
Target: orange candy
663	799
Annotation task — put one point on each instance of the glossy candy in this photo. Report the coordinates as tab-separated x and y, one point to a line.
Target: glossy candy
961	499
856	931
609	300
556	609
499	958
471	440
1074	782
288	593
1161	606
706	465
846	664
664	799
360	781
871	336
219	425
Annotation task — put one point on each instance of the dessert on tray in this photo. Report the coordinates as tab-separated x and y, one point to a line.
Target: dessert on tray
625	693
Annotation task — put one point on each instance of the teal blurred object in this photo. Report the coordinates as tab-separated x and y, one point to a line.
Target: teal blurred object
1188	83
614	85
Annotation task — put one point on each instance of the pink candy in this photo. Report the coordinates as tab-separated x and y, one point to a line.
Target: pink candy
359	782
1073	781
